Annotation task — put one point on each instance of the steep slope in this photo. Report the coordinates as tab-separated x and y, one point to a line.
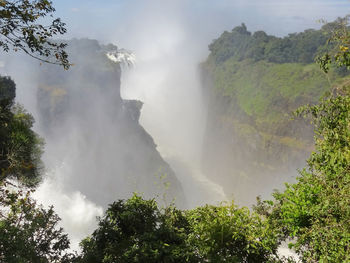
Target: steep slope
93	136
253	82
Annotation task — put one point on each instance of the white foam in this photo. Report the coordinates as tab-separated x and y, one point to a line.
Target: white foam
122	56
78	214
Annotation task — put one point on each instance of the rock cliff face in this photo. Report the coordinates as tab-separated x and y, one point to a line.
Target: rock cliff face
94	134
252	143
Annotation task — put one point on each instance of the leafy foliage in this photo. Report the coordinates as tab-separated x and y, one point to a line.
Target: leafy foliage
28	232
338	44
240	44
260	79
255	81
136	230
20	146
20	30
315	211
227	233
313	214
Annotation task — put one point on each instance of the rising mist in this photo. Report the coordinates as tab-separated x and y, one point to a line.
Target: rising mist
82	155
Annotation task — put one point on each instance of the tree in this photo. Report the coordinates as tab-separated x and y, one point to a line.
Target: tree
135	230
28	232
338	44
315	211
227	233
20	30
20	146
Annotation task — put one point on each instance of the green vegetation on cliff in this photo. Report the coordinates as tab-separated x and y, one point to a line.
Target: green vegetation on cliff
267	77
268	91
241	44
253	83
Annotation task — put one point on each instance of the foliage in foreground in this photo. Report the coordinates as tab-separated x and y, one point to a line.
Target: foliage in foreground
20	146
315	212
20	29
136	230
339	41
28	232
227	233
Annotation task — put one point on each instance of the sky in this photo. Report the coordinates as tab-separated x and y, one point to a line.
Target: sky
111	20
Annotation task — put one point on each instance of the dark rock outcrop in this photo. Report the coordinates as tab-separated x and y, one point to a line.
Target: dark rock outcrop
96	134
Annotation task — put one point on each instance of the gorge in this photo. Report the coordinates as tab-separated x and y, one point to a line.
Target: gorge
217	147
203	131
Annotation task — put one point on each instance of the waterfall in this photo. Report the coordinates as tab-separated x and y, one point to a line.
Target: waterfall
173	114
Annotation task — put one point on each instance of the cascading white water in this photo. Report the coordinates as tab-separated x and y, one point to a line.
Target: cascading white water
122	56
174	115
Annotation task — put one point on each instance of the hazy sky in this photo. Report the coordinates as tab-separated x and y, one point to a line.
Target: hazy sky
109	20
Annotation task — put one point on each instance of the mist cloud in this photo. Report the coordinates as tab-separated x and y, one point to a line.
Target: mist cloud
169	39
78	214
